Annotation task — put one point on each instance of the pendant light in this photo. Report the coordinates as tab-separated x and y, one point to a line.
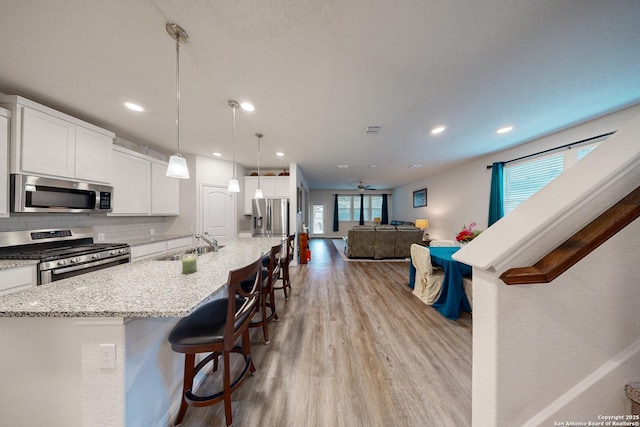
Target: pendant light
233	187
177	164
259	194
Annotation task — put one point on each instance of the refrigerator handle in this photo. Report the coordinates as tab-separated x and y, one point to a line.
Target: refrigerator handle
269	216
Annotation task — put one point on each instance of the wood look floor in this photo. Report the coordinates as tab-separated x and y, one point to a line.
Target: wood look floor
353	347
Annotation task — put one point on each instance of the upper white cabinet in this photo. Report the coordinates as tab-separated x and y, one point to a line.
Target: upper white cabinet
4	162
141	187
50	143
281	187
165	191
272	186
93	155
131	180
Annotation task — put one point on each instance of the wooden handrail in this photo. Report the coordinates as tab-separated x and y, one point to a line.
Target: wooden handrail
579	245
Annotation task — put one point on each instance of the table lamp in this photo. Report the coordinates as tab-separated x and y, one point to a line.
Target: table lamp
376	220
423	224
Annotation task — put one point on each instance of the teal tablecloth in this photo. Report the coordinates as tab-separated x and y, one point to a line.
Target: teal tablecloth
452	299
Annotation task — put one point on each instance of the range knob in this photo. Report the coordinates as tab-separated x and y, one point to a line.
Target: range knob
75	260
95	256
62	262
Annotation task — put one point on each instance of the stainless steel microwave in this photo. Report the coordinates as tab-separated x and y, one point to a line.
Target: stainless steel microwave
38	194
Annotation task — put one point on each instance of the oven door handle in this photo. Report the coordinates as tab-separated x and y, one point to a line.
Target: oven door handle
88	264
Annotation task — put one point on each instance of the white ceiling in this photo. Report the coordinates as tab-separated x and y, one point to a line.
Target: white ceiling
319	72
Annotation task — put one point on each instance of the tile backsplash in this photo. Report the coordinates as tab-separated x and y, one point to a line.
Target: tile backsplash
115	229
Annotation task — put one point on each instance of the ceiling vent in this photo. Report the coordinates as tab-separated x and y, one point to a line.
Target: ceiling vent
372	130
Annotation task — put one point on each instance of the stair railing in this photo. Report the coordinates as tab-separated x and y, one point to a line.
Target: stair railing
576	247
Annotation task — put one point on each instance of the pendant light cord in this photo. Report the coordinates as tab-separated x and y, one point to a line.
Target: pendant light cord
234	141
259	159
178	92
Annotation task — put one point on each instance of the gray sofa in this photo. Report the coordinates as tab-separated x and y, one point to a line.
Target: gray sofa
382	241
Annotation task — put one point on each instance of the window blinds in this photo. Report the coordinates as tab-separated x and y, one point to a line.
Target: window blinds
522	180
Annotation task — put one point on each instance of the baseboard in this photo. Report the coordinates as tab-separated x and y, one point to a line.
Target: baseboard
594	391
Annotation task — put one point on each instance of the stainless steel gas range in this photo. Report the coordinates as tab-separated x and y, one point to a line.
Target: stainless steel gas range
62	253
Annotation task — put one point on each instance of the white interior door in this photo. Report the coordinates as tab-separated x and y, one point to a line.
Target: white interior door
217	212
317	224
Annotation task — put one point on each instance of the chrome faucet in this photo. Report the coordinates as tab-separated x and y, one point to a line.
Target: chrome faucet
211	242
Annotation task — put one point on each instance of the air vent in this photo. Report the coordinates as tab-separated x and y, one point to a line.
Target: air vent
372	130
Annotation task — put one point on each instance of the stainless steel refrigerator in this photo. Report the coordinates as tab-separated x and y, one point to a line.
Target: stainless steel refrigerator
270	217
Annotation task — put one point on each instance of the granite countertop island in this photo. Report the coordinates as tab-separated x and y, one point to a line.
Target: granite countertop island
146	288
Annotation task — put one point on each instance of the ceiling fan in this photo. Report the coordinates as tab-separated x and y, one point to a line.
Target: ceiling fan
362	187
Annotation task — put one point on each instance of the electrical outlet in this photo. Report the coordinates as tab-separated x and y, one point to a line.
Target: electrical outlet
108	356
152	231
100	237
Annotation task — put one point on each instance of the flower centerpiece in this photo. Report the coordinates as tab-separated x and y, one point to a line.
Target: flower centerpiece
467	234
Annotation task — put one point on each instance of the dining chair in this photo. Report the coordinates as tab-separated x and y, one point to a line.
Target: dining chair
284	266
428	283
443	243
215	328
267	294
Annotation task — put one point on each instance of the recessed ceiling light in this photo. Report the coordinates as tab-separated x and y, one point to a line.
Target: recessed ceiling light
438	129
132	106
279	154
217	154
415	166
373	166
505	129
247	106
343	166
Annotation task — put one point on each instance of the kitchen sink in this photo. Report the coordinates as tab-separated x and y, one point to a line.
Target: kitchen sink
199	251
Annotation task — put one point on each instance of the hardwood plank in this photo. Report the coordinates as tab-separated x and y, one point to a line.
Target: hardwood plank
353	347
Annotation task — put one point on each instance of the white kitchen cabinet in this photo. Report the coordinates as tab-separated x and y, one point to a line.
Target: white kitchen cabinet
281	184
131	180
46	142
17	279
272	186
250	185
165	191
93	155
156	248
148	249
141	187
4	162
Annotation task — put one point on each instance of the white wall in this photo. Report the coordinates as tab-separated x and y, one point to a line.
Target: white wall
326	198
461	195
562	351
297	181
210	171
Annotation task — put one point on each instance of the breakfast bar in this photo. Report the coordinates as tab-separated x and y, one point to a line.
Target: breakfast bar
91	350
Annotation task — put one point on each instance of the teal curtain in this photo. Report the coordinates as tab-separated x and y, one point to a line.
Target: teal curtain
361	210
496	198
336	223
385	210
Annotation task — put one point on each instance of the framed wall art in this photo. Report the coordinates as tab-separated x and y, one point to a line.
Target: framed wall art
420	198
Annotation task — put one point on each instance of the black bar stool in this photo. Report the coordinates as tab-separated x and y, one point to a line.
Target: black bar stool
215	328
267	295
284	267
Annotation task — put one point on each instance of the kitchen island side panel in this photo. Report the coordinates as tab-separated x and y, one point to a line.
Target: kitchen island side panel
51	372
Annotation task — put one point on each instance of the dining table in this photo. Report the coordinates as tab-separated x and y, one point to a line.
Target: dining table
452	299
